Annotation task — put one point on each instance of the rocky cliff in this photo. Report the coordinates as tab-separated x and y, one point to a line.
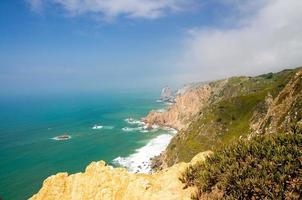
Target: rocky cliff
228	109
283	111
100	181
185	107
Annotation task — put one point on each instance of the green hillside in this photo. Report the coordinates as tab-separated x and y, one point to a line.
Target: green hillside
228	114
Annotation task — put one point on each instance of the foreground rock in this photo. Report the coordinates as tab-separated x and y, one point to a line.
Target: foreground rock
100	181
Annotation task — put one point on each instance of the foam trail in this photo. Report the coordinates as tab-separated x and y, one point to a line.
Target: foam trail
129	129
95	127
108	127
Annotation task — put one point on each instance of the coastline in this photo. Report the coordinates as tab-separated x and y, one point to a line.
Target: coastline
141	160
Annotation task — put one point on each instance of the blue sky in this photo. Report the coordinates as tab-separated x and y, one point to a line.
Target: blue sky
93	45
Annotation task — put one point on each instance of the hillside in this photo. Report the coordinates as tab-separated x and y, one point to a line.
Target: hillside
232	108
263	167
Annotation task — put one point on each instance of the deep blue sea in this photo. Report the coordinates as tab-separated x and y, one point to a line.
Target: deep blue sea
29	154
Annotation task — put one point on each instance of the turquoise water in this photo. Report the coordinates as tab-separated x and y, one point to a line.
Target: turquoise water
28	154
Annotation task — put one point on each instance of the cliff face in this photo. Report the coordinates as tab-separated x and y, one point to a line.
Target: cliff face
283	111
185	107
230	109
100	181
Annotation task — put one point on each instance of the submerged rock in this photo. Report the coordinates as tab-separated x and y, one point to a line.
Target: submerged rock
62	137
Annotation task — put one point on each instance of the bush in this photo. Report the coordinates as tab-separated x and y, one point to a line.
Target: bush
264	167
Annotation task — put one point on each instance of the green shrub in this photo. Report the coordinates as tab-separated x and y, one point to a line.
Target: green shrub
264	167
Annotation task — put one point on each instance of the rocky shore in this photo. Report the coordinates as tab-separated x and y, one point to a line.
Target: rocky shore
187	105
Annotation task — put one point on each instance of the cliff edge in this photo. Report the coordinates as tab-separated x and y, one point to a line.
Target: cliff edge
100	181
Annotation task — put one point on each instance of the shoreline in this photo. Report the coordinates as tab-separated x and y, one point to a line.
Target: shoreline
141	160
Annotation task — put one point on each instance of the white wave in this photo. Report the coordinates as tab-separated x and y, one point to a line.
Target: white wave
161	110
169	103
155	126
132	121
159	101
129	129
108	127
139	162
170	130
97	127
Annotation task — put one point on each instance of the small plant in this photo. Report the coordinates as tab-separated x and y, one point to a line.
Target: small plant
265	167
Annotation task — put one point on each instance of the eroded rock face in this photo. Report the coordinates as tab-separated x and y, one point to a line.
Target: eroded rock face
283	111
102	182
185	107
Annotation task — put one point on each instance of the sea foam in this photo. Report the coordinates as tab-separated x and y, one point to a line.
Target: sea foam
139	162
130	129
95	127
134	121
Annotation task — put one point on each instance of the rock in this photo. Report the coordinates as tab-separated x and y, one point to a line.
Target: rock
100	181
62	137
283	111
186	106
167	94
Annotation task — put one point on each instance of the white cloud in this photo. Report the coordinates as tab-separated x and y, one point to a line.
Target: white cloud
268	41
110	9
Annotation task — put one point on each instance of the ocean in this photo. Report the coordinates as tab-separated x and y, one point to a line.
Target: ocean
102	127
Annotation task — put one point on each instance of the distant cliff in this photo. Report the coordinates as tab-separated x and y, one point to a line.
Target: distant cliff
185	107
167	94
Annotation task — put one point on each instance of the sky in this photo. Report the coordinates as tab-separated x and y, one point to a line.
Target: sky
55	46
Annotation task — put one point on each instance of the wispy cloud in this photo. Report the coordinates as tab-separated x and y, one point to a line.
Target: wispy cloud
110	9
269	39
35	5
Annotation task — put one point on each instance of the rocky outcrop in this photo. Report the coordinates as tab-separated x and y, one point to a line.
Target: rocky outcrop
103	182
185	107
167	94
283	111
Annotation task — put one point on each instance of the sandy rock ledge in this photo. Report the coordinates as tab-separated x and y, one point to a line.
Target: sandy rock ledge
100	181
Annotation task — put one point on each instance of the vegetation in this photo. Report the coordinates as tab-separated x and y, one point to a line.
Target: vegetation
264	167
227	116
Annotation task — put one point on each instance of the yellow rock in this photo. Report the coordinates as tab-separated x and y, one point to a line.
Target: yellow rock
103	182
